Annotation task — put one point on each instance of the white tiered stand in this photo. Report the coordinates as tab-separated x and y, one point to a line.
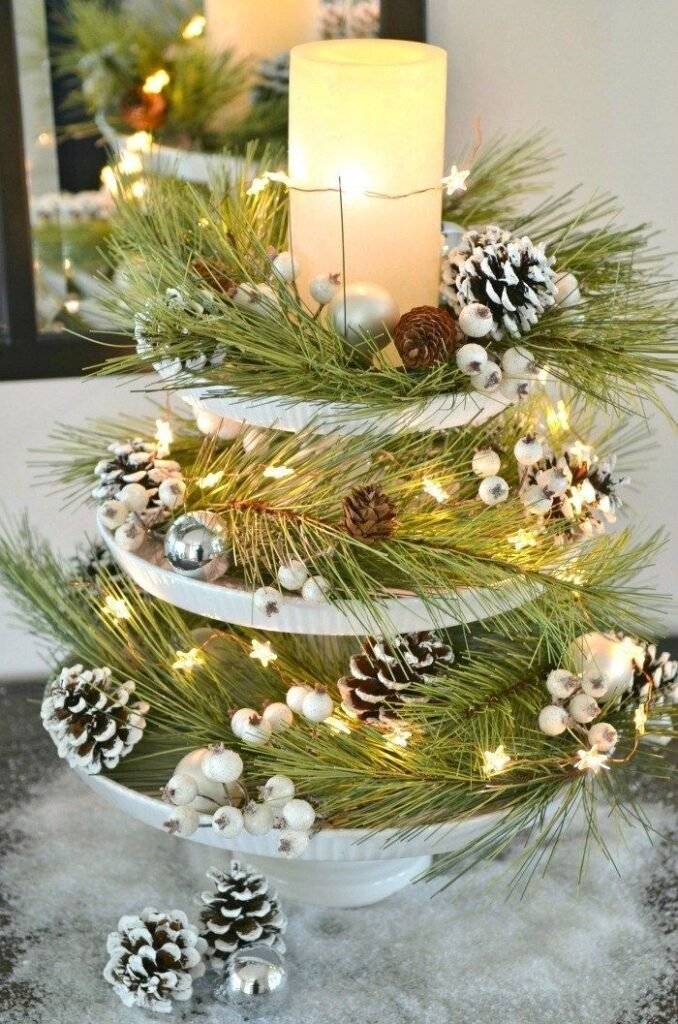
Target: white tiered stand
341	867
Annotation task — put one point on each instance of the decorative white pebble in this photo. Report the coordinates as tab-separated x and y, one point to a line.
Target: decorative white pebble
222	765
277	791
183	821
553	720
567	291
493	490
286	266
299	815
292	575
486	462
317	705
181	789
528	450
471	358
476	320
294	698
324	288
112	514
171	493
240	719
535	501
315	589
561	684
594	684
603	736
583	708
518	362
258	819
256	731
487	379
130	536
278	716
292	843
135	496
268	600
228	821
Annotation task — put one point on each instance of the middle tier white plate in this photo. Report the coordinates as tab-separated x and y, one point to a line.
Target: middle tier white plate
228	601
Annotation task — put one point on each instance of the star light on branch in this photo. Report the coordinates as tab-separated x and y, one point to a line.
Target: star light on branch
278	472
194	27
260	184
164	437
455	181
263	652
434	489
186	661
639	719
495	761
211	480
592	760
117	607
156	82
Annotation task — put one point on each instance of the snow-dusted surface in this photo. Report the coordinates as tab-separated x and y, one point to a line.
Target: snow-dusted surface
563	955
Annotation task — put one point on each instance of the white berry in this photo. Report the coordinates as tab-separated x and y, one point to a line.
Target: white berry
171	493
516	389
228	821
317	705
256	731
518	362
240	719
555	481
535	501
486	462
476	320
471	358
292	575
583	708
130	536
278	716
594	684
258	819
493	490
268	600
528	450
487	379
286	266
315	589
567	291
603	736
112	514
553	720
299	815
324	288
209	423
292	843
222	765
561	684
135	496
294	698
183	821
277	791
181	789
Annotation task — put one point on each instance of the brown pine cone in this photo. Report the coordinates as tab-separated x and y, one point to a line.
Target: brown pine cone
369	513
424	337
214	275
144	111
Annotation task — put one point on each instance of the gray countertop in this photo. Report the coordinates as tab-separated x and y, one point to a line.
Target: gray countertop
567	953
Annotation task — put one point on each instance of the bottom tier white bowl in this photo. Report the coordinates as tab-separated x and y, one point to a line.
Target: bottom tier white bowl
340	868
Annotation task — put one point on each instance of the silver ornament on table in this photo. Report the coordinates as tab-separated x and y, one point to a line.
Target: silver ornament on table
364	314
197	545
255	984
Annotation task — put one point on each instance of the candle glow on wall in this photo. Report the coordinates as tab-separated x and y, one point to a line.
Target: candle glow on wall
371	113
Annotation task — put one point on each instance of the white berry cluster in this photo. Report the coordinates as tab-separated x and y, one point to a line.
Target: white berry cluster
513	379
313	703
293	576
574	705
493	488
210	781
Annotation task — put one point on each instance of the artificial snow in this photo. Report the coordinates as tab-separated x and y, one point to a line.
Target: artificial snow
564	954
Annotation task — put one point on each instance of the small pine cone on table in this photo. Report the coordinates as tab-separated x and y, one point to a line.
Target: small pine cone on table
154	958
511	276
90	719
384	676
240	912
135	462
369	513
426	336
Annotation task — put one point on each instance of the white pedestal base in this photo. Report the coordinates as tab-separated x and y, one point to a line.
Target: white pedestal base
355	883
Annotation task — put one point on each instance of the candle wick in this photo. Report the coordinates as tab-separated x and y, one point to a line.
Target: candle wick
343	250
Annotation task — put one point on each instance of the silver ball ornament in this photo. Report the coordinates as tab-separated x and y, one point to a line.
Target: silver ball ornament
196	545
255	985
364	314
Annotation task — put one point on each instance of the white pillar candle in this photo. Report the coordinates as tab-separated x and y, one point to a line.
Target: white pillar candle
371	112
260	28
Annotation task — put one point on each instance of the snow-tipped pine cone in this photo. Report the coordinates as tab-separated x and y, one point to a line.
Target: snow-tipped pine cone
241	911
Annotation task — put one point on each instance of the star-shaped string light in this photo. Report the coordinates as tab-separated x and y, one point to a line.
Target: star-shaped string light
434	489
186	661
455	181
639	719
495	761
592	760
263	652
117	607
